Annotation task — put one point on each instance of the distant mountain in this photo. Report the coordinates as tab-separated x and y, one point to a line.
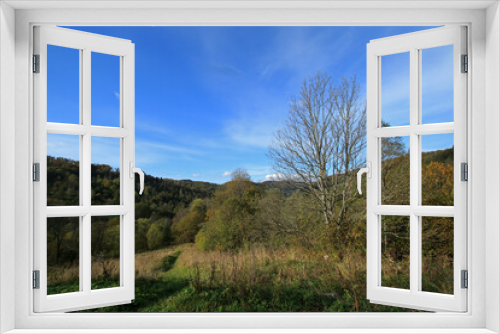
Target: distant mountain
444	156
286	187
162	197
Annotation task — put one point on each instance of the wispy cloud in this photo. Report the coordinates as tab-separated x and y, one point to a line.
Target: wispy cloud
226	174
64	146
106	151
253	124
153	128
301	52
171	148
256	171
117	95
274	177
224	69
251	132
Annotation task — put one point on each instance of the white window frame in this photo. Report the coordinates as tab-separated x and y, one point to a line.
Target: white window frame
413	44
86	44
482	19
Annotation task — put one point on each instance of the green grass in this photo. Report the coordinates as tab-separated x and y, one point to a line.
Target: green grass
186	289
169	261
73	286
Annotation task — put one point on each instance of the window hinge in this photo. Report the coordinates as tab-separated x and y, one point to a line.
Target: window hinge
36	63
465	279
36	172
464	171
465	64
36	279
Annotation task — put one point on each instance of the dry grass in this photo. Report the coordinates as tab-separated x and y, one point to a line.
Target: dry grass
258	265
248	269
147	265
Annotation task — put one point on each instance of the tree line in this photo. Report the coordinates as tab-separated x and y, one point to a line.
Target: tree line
312	205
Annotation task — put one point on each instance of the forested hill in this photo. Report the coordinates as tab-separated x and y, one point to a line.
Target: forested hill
162	197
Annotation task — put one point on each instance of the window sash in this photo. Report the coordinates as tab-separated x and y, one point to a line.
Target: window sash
86	297
414	298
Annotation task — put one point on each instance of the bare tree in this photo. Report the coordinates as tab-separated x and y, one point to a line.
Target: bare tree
321	145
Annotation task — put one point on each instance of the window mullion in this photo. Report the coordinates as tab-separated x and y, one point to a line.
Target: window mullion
414	172
86	268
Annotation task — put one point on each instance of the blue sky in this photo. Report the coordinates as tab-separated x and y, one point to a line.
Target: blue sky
208	99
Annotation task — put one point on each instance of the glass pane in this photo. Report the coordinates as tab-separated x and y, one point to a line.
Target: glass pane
63	85
395	171
437	84
437	254
395	89
395	251
437	169
63	169
105	90
63	255
105	171
105	235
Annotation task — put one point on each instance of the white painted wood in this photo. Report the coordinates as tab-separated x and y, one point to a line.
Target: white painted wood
7	167
414	297
491	163
256	331
86	298
245	4
414	169
76	129
407	210
471	322
418	129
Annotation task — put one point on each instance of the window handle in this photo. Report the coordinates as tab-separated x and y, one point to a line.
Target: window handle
139	171
368	171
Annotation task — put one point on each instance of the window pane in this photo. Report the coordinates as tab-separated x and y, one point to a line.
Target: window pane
437	254
395	170
437	84
63	85
395	251
105	171
437	169
395	89
63	169
63	255
105	90
105	252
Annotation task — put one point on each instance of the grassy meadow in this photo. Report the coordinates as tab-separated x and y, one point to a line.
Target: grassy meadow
186	279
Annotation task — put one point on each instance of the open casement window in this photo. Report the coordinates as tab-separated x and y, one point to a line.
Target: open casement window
75	216
417	207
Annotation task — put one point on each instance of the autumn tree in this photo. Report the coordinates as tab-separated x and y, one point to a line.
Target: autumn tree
395	171
231	215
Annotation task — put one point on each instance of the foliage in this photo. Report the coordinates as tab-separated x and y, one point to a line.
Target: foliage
259	247
158	234
231	215
188	222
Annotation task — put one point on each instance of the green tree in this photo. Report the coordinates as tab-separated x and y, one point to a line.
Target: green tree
142	226
231	219
158	234
155	236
